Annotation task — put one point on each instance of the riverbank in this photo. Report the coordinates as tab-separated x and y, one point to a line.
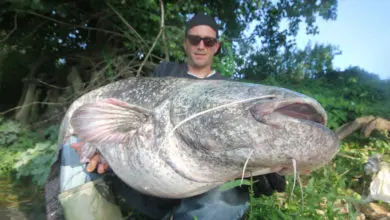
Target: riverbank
21	200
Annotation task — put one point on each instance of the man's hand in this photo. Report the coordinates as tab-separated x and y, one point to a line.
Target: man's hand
267	184
94	162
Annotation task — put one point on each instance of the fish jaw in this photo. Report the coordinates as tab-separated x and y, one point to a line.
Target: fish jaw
309	143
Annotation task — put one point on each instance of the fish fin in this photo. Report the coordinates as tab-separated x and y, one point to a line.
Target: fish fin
108	120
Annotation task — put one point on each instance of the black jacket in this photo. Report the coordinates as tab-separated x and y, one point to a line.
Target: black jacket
178	70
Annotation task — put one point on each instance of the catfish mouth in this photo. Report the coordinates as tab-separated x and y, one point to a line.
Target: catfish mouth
302	111
298	109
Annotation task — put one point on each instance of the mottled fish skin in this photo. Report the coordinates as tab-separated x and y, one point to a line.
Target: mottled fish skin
208	150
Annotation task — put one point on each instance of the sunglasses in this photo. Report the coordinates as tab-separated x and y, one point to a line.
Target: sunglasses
195	40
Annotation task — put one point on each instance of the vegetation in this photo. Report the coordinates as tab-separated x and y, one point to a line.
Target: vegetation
51	52
24	153
335	190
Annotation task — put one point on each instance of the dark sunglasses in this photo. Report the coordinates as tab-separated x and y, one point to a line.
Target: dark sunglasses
195	40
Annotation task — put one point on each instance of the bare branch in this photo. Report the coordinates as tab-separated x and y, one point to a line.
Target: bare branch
29	104
13	29
73	25
50	85
155	41
368	124
164	36
125	22
52	117
347	156
165	46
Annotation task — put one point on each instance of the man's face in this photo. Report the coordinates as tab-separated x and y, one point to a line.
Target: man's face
201	55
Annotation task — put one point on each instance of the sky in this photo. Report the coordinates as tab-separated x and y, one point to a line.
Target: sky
362	32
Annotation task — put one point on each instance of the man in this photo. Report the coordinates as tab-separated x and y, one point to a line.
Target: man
200	45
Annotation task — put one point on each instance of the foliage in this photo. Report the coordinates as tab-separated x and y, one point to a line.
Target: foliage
24	153
269	15
345	99
35	162
226	64
321	197
294	64
235	183
331	192
13	140
106	41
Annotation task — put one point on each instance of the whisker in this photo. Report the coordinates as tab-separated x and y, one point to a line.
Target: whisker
219	107
246	163
295	173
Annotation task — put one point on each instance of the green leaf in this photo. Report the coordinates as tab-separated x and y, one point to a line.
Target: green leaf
234	183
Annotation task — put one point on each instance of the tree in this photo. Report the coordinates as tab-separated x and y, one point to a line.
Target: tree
310	63
71	47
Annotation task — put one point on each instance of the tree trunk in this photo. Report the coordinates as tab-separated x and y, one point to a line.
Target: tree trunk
26	101
75	80
23	114
34	114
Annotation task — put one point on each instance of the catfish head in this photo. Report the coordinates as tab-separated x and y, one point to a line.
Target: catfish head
228	125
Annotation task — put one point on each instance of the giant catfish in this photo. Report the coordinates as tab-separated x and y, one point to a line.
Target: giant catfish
176	137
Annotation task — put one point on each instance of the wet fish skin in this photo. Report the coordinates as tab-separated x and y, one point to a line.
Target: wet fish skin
130	122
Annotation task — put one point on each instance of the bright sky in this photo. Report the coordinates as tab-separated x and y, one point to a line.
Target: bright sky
362	32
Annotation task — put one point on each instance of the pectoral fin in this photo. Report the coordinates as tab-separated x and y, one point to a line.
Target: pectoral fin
108	120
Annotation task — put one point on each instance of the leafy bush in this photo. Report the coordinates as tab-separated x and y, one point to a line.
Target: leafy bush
24	153
331	192
35	162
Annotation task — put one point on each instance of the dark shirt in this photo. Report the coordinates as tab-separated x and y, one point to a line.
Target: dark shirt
179	70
